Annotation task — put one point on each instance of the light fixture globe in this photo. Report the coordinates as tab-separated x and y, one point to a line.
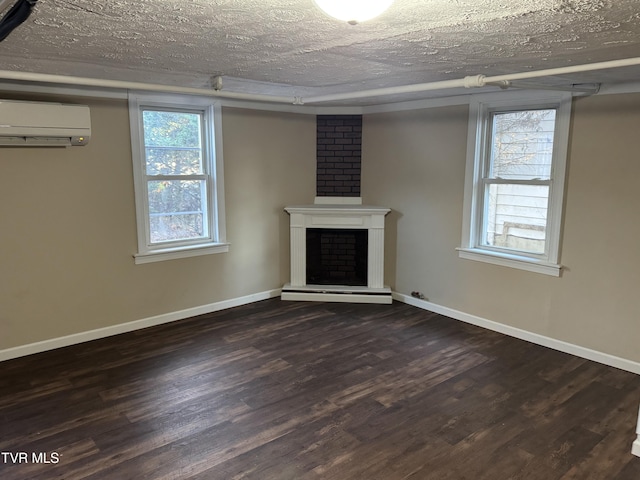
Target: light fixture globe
353	11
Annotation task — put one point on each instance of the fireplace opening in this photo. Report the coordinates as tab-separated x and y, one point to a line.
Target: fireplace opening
337	256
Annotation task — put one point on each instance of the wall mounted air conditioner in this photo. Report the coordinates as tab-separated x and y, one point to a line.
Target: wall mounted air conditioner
37	124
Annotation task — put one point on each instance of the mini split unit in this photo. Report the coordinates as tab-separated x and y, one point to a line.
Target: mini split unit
37	124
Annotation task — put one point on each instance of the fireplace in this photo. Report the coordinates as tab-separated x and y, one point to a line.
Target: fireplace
337	252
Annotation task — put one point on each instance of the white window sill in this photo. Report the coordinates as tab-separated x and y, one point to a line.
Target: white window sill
513	261
161	255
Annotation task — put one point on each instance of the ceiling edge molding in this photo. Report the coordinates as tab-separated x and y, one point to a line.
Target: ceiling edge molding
632	87
425	103
418	104
62	90
285	108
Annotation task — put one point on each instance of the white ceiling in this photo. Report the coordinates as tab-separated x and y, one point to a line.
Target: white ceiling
290	47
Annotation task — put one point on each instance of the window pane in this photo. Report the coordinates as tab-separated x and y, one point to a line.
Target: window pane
177	210
172	142
172	161
516	217
522	144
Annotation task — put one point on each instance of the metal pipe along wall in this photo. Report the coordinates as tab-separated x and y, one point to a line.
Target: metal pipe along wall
466	82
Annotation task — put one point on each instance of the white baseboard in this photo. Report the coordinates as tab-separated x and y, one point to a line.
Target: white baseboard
583	352
635	448
76	338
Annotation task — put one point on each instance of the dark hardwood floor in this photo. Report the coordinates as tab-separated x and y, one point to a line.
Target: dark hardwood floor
292	390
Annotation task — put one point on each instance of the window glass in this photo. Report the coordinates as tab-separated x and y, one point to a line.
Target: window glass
177	210
522	144
516	217
172	142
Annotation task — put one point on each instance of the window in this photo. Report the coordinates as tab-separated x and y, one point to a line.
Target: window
177	161
514	184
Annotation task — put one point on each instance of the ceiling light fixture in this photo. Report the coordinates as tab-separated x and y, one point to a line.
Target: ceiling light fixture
353	11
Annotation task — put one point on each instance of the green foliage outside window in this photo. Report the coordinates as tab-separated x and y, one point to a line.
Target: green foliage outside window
173	149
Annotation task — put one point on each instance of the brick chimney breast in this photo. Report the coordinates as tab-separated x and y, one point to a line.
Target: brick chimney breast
339	155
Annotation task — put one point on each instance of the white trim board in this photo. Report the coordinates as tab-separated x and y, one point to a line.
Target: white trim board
96	334
577	350
635	447
461	98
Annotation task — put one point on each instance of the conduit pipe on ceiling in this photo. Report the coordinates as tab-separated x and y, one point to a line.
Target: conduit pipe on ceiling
474	81
466	82
147	87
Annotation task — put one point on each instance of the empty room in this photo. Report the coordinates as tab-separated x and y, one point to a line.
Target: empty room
319	239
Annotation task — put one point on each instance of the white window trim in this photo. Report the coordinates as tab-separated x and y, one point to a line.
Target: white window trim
216	241
479	107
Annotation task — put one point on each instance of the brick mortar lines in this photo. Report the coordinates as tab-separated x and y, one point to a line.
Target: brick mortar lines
339	155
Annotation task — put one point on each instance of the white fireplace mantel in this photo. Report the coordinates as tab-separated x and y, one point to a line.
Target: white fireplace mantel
336	216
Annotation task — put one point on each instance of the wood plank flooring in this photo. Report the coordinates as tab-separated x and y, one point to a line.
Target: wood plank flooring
293	390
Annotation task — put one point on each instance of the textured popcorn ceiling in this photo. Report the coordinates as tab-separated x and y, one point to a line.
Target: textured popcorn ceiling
265	45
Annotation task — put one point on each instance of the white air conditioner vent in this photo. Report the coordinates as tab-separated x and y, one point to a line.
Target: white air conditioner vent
38	124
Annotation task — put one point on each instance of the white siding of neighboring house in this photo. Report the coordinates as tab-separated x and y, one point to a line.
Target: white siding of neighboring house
517	214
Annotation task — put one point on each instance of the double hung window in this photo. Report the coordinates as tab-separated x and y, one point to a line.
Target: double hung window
515	180
176	147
